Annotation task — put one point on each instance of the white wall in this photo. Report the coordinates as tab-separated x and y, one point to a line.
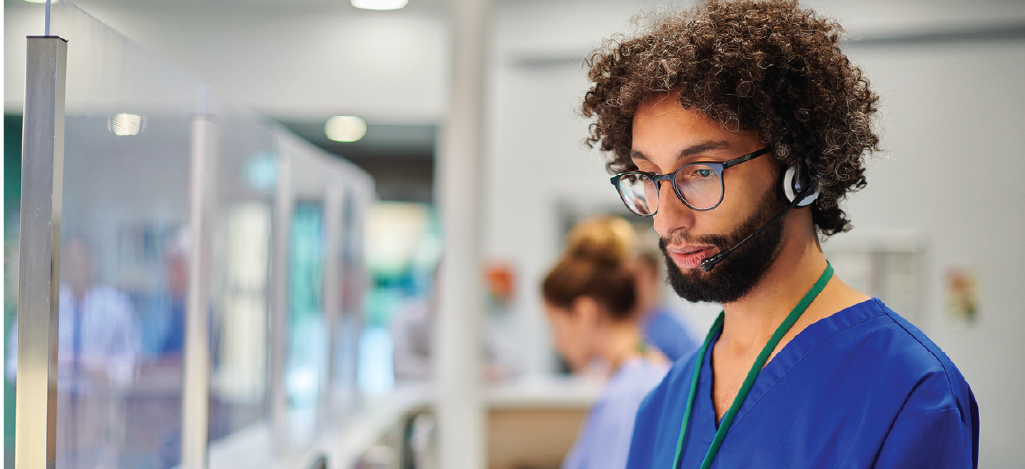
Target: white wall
954	140
536	156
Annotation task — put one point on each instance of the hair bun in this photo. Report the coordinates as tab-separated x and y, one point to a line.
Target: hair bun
606	240
595	264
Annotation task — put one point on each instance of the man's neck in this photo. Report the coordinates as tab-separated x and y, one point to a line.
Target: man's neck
750	321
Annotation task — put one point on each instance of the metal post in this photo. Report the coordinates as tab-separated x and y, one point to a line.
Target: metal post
42	182
458	351
196	387
333	207
357	202
277	334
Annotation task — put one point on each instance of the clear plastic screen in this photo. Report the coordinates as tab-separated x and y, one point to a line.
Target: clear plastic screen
124	245
246	181
351	285
132	124
305	365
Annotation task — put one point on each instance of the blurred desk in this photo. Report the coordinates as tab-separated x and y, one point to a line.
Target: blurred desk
533	422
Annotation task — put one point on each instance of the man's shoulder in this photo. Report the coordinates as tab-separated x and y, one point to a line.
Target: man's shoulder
874	341
887	337
901	361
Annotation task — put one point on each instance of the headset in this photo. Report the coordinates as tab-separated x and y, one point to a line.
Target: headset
797	186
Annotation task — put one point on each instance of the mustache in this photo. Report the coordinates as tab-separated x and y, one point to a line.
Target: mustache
720	241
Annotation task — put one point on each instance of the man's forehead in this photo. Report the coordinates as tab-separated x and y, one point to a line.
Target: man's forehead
689	150
660	102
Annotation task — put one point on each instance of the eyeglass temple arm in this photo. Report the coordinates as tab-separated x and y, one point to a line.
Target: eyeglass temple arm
747	157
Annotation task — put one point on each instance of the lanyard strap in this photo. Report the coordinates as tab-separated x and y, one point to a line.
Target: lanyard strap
727	420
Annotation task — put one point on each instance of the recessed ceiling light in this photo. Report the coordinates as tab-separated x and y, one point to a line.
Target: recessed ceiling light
125	124
379	4
345	128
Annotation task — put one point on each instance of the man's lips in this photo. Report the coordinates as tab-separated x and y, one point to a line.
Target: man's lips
690	256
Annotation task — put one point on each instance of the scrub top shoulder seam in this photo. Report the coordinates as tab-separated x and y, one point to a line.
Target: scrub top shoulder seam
922	414
946	372
848	327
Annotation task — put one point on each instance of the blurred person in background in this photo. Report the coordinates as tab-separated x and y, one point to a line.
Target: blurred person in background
739	127
591	302
98	336
663	327
166	369
171	303
98	348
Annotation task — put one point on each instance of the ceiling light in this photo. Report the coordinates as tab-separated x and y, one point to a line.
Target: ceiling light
379	4
36	1
125	124
345	128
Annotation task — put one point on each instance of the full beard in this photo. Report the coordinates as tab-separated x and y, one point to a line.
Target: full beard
738	273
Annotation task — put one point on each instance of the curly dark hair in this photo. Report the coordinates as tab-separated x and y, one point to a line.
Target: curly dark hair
765	66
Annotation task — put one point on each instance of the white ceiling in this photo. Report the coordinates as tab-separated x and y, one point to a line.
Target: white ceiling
316	58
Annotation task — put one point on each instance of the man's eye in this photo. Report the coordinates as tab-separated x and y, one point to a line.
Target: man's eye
702	172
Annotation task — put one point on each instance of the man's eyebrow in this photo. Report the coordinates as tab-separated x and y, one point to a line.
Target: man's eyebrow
636	155
689	151
703	147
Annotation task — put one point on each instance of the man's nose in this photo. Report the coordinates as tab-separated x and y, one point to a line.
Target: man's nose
672	214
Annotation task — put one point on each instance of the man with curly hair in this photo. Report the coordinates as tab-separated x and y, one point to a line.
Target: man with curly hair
739	127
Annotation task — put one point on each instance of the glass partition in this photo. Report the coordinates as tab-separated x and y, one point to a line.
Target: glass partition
171	227
125	245
306	354
351	283
246	178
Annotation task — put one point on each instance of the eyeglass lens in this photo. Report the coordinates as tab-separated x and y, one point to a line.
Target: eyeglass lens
639	193
700	185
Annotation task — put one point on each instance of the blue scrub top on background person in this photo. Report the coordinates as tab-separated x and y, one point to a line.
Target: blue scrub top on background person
604	440
667	331
860	388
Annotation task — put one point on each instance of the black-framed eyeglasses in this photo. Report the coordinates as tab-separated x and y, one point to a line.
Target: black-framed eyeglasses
698	185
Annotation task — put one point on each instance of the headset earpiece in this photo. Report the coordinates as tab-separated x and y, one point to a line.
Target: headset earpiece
796	183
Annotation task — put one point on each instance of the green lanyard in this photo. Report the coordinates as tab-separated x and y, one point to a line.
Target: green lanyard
727	420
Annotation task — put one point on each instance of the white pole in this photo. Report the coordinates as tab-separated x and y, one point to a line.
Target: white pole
277	335
331	281
196	375
460	407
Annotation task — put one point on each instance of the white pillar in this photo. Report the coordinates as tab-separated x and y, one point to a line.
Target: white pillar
277	333
458	353
196	374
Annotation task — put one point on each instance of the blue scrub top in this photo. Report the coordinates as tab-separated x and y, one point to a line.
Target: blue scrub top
861	388
604	439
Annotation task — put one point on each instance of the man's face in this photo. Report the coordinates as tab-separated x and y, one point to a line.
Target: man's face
667	136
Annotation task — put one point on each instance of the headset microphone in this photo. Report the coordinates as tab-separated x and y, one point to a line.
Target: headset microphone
709	263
